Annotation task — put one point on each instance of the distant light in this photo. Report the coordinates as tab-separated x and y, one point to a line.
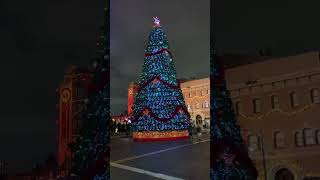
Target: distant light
129	121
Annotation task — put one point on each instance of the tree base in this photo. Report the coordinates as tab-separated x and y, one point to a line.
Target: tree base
160	135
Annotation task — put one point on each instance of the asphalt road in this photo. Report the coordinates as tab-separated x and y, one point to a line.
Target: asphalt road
172	160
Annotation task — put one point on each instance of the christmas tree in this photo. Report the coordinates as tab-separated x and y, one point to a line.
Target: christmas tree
91	149
159	109
229	157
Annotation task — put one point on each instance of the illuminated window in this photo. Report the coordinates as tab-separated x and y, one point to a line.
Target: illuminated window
279	140
315	96
206	104
257	105
299	138
189	106
309	136
275	102
294	99
208	91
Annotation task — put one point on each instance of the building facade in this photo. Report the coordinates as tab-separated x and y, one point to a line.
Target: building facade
72	94
277	105
196	94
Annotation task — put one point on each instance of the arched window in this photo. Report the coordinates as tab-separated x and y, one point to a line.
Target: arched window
253	143
299	138
238	108
315	96
309	136
256	105
279	140
275	102
197	105
294	99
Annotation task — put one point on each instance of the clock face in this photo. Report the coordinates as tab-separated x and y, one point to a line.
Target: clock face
65	95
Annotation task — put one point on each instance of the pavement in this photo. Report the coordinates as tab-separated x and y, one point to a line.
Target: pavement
172	160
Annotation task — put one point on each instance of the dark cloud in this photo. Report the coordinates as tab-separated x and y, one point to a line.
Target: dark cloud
186	25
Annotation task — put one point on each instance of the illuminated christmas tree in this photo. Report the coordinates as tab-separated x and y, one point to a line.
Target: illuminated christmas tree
159	109
91	149
229	159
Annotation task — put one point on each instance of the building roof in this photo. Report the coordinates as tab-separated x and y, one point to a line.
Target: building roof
234	60
272	67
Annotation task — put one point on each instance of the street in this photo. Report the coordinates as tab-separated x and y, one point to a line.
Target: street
182	159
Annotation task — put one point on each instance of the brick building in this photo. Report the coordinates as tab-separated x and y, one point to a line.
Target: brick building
72	93
277	105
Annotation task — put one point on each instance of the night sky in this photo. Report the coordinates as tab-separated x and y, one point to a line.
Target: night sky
39	39
186	26
287	27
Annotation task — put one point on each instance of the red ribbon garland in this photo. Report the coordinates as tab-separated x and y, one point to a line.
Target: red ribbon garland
152	114
158	52
158	78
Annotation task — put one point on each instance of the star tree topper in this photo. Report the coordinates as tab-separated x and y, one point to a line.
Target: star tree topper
156	21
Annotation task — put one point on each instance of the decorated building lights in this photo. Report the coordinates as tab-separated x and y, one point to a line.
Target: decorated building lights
159	110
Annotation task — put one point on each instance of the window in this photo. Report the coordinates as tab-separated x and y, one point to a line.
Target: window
279	140
275	102
253	143
197	105
294	99
257	105
238	108
315	96
208	91
202	93
190	94
189	106
309	136
299	139
206	104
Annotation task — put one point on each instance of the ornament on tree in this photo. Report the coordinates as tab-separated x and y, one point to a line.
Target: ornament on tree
227	158
155	81
146	112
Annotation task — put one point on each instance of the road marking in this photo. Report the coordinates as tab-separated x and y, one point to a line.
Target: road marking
141	171
160	151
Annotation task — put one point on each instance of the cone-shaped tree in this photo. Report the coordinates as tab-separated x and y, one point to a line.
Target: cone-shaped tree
159	109
229	159
91	149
